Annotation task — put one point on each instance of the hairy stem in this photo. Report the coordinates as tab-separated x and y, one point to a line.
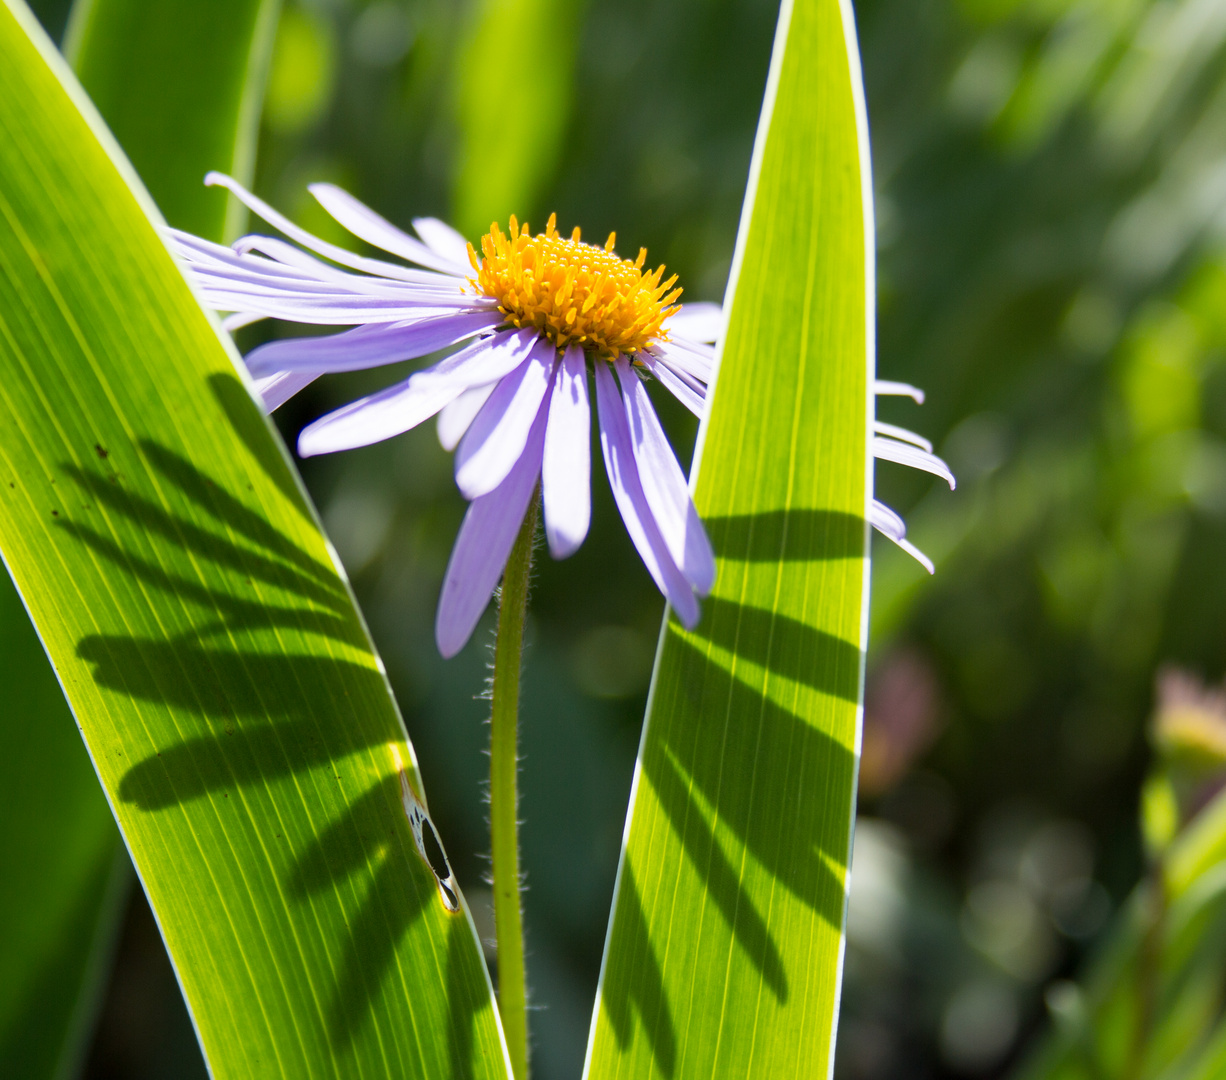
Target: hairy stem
504	795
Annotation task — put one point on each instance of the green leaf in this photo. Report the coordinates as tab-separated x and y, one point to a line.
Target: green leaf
512	116
180	86
228	693
65	876
724	952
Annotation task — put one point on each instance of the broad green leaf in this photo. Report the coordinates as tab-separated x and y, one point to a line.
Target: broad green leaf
65	875
180	86
512	115
724	952
228	693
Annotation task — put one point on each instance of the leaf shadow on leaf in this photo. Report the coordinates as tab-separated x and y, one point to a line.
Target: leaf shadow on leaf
267	716
247	424
792	535
738	773
644	992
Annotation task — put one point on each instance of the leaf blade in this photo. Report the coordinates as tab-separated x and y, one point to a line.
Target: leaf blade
725	944
232	703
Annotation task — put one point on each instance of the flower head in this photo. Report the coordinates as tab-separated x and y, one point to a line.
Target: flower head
537	320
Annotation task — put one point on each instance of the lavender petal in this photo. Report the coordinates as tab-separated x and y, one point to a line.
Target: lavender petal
483	544
880	427
368	346
566	470
457	417
628	493
679	388
313	243
443	240
376	230
277	388
405	405
664	485
499	433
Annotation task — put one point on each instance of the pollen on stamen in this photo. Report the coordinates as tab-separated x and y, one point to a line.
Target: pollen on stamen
574	293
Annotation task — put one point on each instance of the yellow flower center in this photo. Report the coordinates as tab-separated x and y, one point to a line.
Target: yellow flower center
574	293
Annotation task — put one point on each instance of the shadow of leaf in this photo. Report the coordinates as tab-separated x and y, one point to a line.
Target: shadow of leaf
643	979
787	536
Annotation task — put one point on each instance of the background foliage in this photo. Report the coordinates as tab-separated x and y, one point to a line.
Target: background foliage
1050	211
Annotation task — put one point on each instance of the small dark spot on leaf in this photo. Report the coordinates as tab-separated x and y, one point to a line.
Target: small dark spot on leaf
102	453
55	513
434	851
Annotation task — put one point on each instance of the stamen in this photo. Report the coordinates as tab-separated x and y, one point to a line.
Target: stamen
572	292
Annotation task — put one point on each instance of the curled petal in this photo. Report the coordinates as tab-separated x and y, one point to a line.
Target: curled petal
664	485
888	523
566	472
898	389
628	493
486	537
376	230
906	454
313	243
901	433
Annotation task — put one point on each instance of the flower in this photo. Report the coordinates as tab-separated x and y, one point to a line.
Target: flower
532	318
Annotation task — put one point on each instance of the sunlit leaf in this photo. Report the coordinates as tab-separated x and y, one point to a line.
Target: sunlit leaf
724	953
227	690
180	86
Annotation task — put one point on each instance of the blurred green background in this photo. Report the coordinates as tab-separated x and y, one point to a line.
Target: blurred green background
1051	207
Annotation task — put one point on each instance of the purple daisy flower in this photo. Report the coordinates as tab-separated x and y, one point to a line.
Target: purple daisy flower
532	318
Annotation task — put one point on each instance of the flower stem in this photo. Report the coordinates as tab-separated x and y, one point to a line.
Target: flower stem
504	796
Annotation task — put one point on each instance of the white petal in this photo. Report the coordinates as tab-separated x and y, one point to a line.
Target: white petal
442	239
499	433
889	524
882	428
566	472
456	418
375	229
697	322
906	454
898	389
307	240
680	389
